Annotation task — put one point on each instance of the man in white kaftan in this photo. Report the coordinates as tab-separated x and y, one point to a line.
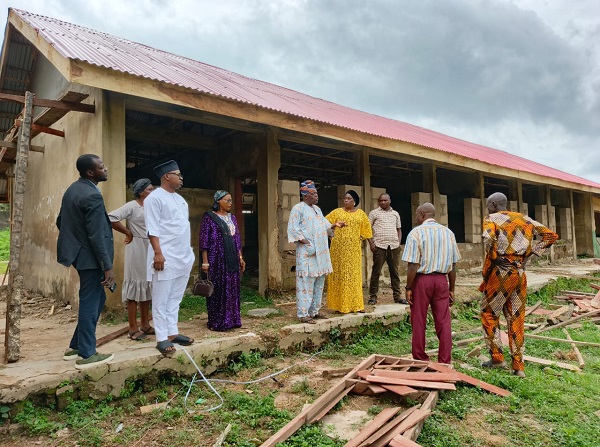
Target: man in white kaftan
308	229
170	255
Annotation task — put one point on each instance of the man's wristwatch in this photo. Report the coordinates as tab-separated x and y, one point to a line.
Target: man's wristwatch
407	288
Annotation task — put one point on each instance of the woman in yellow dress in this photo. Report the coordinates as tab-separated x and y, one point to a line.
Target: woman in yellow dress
344	285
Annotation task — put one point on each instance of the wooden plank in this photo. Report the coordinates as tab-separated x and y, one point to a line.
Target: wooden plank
376	389
12	338
332	404
427	376
553	317
401	390
112	336
412	420
412	383
42	129
401	441
387	427
51	103
561	340
384	416
472	380
568	322
584	305
292	426
575	349
405	364
576	292
428	404
596	301
468	341
594	286
335	372
545	362
11	145
532	308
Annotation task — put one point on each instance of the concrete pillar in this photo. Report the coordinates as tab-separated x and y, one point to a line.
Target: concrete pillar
416	199
565	225
375	193
584	223
288	196
541	214
269	260
473	221
522	205
341	190
112	151
573	235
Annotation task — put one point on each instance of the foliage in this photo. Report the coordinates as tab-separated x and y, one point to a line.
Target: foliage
244	361
551	407
4	244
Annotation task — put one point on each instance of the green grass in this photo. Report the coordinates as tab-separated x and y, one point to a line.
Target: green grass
551	407
4	244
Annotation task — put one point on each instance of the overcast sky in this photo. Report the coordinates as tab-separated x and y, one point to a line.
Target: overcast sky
518	75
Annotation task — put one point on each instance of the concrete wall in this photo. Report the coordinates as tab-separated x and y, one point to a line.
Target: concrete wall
48	176
473	220
288	196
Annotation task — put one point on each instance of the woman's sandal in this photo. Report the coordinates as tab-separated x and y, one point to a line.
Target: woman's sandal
182	340
307	320
166	348
137	335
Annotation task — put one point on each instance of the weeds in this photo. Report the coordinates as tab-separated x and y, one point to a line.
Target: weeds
551	407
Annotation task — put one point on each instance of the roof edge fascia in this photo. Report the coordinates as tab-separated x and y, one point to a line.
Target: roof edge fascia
60	62
107	79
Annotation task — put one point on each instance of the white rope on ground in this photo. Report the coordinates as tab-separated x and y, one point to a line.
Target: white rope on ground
208	381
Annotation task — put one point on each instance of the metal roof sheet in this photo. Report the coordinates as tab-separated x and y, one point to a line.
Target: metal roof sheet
101	49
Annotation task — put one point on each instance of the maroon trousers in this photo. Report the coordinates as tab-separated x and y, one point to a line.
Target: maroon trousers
431	290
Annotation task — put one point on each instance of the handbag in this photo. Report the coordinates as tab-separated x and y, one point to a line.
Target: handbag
203	287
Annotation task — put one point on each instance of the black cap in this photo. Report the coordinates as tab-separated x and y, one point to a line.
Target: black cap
166	167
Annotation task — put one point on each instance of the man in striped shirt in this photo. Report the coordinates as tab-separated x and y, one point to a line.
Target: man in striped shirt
431	253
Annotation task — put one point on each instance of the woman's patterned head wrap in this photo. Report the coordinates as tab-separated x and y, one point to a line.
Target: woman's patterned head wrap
306	186
218	196
140	185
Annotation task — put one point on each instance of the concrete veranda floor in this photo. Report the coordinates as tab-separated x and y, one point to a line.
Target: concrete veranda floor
44	339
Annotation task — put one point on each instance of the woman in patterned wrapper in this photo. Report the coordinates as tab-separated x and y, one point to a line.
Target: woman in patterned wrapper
136	287
221	250
344	285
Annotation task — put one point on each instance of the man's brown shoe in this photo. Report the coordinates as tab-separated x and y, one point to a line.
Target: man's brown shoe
519	373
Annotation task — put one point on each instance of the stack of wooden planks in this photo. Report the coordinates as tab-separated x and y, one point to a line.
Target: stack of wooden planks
379	375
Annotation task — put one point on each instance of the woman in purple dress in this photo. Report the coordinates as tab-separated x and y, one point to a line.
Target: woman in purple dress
221	249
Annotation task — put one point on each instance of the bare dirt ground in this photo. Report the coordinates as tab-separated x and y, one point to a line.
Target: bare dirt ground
44	333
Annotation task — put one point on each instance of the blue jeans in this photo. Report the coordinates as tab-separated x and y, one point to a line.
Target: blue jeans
91	302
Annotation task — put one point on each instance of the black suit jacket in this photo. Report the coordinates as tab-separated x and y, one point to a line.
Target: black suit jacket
85	237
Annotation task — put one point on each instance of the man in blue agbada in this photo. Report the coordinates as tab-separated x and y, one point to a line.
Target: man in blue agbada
308	229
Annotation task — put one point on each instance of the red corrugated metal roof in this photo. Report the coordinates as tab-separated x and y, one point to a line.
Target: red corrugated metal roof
104	50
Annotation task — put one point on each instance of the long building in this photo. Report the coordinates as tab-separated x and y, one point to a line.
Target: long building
255	139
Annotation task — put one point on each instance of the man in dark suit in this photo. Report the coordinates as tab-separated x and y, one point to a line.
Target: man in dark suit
85	241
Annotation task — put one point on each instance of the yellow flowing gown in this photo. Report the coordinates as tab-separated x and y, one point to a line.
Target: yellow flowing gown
344	285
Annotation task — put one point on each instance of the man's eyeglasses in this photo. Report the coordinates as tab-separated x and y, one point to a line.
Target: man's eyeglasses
227	200
178	174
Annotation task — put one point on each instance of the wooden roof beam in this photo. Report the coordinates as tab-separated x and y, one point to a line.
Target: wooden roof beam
52	103
12	145
36	128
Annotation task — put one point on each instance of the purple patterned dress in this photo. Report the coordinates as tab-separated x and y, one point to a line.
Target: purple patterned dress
224	305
